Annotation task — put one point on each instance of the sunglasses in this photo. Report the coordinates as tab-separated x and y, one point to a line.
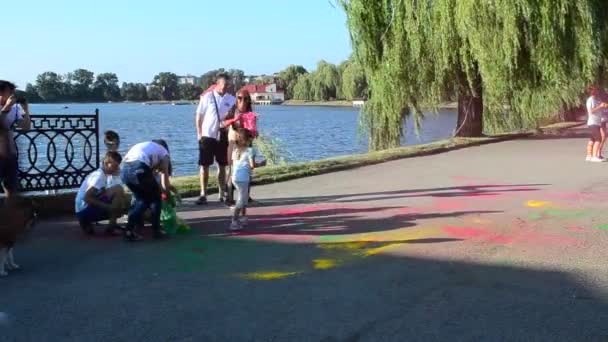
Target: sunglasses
241	98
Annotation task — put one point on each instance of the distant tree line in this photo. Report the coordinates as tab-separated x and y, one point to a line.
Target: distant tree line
329	81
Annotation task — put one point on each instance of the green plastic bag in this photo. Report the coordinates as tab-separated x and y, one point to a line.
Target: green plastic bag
168	216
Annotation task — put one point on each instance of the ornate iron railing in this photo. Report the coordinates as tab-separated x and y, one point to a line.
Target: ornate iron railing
58	152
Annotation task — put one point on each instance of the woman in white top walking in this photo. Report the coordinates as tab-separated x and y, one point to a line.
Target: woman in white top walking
137	173
595	109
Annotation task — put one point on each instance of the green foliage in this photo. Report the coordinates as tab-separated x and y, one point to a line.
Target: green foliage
354	83
155	93
302	90
50	87
79	83
531	56
134	92
272	149
188	91
31	93
167	83
323	84
106	87
289	77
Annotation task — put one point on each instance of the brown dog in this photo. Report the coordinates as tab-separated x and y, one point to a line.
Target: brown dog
17	217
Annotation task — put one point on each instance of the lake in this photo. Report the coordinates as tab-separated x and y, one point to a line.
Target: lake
305	132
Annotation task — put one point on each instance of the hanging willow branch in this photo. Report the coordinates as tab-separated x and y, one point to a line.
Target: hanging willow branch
532	57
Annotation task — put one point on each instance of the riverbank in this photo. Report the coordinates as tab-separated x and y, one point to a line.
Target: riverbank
190	186
445	105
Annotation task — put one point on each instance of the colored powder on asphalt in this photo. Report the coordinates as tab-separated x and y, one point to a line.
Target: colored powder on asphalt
537	204
323	264
475	233
267	275
379	250
602	226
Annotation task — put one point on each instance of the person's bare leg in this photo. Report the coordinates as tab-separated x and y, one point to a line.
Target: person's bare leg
204	178
602	142
596	149
221	180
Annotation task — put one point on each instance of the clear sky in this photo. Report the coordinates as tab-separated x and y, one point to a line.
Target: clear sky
137	39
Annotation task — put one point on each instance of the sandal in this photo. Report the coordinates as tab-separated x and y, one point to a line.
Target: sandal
132	236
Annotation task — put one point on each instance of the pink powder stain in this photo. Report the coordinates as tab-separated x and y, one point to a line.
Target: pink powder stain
278	237
576	229
299	211
476	233
534	238
447	204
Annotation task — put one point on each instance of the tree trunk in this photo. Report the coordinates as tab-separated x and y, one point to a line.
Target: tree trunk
470	115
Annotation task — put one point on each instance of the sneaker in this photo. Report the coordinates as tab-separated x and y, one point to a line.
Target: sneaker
588	158
243	220
201	200
597	160
235	226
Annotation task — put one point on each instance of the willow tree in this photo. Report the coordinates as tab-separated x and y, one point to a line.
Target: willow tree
511	63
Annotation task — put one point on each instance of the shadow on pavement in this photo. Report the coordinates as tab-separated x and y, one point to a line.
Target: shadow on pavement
446	192
205	289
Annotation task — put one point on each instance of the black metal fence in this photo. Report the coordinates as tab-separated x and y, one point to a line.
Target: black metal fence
58	152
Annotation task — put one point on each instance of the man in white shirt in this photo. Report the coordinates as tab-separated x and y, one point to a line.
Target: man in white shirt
212	135
13	111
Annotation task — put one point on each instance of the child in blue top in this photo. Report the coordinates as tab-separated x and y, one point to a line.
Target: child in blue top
243	163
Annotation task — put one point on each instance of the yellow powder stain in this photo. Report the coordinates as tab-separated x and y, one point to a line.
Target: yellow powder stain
268	275
323	264
537	204
378	250
353	245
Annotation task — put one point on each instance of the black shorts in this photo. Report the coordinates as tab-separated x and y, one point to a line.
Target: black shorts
212	150
9	170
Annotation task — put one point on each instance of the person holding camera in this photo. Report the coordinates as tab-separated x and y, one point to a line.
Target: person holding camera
212	134
14	112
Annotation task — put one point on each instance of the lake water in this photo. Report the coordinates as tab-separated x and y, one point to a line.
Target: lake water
305	132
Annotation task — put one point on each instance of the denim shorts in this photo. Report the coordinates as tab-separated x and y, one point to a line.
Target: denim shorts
92	214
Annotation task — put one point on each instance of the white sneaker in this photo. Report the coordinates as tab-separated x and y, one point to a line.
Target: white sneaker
235	226
243	220
588	158
597	160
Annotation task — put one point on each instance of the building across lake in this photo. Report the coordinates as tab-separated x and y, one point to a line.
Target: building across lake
265	94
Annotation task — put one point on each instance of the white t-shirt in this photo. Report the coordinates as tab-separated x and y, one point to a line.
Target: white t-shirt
593	119
98	180
113	180
241	170
206	110
14	115
149	153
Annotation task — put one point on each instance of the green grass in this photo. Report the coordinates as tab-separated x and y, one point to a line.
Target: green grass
189	185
